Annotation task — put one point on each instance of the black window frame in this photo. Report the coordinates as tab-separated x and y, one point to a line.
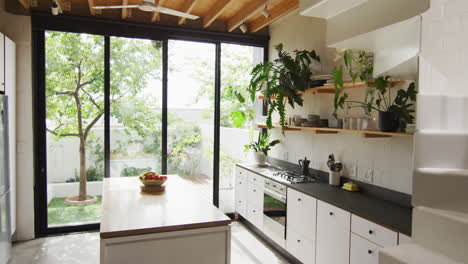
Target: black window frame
107	28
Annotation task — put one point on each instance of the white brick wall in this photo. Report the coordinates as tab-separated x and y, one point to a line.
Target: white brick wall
443	97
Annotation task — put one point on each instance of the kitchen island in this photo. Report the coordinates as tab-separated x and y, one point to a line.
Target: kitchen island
176	226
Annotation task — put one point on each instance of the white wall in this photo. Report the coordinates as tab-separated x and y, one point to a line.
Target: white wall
443	97
391	159
372	15
18	29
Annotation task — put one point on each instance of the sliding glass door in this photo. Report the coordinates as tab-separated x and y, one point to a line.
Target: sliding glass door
191	87
135	106
74	127
237	62
117	107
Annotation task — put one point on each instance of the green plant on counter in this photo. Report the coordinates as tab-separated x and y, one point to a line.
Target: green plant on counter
262	144
282	81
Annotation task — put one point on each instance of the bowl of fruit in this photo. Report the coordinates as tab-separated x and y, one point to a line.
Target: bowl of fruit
152	179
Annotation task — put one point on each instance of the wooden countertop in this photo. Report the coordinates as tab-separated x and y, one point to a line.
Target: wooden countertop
126	211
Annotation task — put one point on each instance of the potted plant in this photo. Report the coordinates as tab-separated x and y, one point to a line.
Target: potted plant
282	81
394	113
261	148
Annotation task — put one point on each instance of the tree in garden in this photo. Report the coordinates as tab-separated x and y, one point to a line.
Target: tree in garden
75	87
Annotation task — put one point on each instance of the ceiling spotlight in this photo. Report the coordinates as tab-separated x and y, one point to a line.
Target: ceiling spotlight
54	8
244	28
265	13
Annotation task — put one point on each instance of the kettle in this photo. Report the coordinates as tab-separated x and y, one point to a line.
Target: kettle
304	166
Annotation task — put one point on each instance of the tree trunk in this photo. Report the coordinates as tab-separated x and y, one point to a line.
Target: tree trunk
82	195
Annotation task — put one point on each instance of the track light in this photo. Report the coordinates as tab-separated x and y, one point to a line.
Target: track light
244	28
265	13
54	8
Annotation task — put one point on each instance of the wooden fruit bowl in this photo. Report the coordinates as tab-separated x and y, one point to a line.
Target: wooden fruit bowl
152	183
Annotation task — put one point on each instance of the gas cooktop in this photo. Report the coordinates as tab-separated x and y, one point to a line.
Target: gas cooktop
295	177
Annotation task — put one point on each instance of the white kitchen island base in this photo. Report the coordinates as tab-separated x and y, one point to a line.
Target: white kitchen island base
197	246
178	226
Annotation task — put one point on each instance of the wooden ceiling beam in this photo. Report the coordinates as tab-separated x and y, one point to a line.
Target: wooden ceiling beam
187	7
215	11
276	12
124	10
156	15
24	3
91	9
244	13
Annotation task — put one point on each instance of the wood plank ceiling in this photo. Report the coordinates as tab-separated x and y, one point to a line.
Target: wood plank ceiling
219	15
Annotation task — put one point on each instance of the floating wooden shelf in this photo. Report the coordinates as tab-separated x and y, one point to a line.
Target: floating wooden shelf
325	130
330	88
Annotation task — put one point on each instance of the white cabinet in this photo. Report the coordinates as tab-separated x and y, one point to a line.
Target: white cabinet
373	232
10	91
300	247
363	251
301	226
302	213
403	239
333	234
249	196
241	193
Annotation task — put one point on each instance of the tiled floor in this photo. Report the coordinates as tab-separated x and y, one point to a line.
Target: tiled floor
246	248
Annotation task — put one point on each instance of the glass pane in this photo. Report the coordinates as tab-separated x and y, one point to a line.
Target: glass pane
237	62
190	112
135	106
75	131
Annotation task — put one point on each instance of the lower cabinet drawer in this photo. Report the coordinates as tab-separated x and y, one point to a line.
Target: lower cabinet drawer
255	215
373	232
363	251
300	247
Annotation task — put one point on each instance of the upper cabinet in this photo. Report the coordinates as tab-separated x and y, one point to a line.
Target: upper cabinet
2	62
327	8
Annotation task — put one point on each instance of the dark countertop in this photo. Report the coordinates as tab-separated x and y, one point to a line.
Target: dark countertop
385	213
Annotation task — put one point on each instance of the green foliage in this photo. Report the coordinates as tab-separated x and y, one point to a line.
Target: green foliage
403	104
262	144
236	65
283	80
363	62
132	171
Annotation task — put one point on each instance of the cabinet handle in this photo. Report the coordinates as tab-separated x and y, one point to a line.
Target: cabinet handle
281	189
254	211
299	199
255	179
255	190
298	241
371	232
369	251
274	185
331	213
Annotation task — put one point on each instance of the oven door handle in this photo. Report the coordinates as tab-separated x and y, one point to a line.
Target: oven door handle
275	195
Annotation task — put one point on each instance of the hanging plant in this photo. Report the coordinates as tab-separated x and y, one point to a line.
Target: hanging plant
282	81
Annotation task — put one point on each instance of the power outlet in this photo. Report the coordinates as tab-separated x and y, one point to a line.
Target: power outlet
368	176
352	171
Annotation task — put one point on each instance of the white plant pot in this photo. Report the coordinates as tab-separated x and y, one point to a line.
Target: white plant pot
260	158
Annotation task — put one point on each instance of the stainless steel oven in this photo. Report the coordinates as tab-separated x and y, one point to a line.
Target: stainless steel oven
274	211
